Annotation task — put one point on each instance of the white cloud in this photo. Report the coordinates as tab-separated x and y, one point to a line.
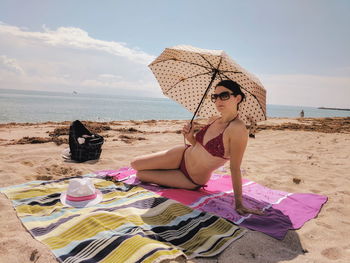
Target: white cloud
10	64
109	76
307	90
72	37
69	59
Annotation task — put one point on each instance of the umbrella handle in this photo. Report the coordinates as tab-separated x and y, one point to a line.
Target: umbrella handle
215	72
205	94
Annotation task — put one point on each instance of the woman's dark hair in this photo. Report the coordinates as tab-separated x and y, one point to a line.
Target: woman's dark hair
234	87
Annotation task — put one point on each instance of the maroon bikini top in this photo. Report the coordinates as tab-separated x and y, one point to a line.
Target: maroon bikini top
214	146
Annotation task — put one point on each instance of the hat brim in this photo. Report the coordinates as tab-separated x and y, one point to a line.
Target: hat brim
81	204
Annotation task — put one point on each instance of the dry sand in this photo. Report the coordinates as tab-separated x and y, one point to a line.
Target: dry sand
294	155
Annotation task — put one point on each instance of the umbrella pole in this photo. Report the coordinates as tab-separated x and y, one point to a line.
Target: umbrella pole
215	72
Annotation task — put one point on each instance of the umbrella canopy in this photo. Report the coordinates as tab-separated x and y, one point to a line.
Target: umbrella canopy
189	75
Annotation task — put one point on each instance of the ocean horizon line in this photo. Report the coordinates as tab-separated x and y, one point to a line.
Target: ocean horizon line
107	95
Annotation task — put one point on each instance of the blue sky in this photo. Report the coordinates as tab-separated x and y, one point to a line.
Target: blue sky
300	50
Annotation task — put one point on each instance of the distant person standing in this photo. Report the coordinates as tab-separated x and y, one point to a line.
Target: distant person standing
302	114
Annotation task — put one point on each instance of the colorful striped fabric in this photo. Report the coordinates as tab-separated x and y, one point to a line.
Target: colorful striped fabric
131	224
282	210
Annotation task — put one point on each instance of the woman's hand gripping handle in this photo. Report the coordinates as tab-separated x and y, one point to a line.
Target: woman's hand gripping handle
188	132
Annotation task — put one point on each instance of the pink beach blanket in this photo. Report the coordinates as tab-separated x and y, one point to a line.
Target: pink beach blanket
282	210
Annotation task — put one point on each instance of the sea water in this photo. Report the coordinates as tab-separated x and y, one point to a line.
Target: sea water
41	106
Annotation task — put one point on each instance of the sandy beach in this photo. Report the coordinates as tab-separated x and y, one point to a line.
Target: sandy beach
295	155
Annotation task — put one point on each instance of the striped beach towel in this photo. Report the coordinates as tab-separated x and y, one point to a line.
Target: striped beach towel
131	224
283	210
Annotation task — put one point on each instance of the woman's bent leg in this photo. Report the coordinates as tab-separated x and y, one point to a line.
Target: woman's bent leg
170	178
162	168
167	160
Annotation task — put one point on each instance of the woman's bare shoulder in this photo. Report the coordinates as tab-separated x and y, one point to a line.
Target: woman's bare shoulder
237	127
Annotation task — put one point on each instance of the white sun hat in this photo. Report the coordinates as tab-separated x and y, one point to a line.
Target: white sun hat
81	192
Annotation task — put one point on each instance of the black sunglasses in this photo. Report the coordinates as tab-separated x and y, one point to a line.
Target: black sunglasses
223	96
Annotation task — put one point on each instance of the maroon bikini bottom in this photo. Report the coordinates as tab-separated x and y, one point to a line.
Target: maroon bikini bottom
184	170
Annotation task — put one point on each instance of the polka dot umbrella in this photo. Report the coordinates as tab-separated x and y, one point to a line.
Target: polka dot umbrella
189	75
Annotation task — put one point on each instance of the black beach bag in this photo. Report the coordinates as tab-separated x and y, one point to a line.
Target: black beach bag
83	144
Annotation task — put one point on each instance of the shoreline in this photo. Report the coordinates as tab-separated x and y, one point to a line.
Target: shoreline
323	125
131	131
166	120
